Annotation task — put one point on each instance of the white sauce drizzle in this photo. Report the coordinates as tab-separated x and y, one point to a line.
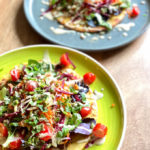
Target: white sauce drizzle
45	2
60	31
95	38
100	141
125	27
61	26
48	16
42	9
143	2
82	36
41	17
98	95
109	37
102	37
125	34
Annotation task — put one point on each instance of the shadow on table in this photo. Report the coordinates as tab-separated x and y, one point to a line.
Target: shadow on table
25	32
130	49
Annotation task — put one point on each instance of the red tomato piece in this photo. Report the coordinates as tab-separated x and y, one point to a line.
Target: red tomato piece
89	78
100	130
135	11
85	111
3	131
16	144
114	1
64	60
93	1
31	85
15	74
46	133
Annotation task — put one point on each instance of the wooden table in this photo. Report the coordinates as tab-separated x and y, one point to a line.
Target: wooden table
130	66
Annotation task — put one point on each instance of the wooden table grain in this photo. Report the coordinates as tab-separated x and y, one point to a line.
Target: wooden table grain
129	65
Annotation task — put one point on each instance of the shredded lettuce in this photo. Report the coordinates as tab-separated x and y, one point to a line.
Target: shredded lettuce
102	22
125	3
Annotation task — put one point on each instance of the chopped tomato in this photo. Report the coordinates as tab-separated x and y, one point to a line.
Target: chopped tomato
100	130
93	1
135	11
89	78
31	85
114	1
16	144
64	60
46	133
15	74
85	111
3	130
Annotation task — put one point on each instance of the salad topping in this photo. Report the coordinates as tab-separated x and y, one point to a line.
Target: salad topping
43	106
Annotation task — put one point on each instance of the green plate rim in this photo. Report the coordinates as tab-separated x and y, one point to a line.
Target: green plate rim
97	63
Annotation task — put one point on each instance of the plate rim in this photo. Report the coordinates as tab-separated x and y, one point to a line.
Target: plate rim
99	65
35	27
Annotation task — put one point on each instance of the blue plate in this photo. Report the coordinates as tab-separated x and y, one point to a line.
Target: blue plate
32	9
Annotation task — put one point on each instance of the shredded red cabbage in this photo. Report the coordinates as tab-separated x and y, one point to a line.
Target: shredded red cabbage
12	114
64	92
2	103
63	83
67	75
77	98
61	121
47	88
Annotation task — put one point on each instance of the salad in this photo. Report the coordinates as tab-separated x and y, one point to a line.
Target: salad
45	106
89	15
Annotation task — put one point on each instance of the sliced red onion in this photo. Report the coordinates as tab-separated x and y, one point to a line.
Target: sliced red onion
48	10
51	7
84	129
67	75
11	114
63	83
64	92
70	61
23	69
77	97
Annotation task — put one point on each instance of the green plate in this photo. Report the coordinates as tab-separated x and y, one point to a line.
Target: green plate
114	118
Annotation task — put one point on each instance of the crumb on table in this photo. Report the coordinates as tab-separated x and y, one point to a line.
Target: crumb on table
113	105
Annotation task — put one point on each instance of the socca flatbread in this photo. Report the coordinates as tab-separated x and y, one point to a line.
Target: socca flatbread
90	15
41	104
113	21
